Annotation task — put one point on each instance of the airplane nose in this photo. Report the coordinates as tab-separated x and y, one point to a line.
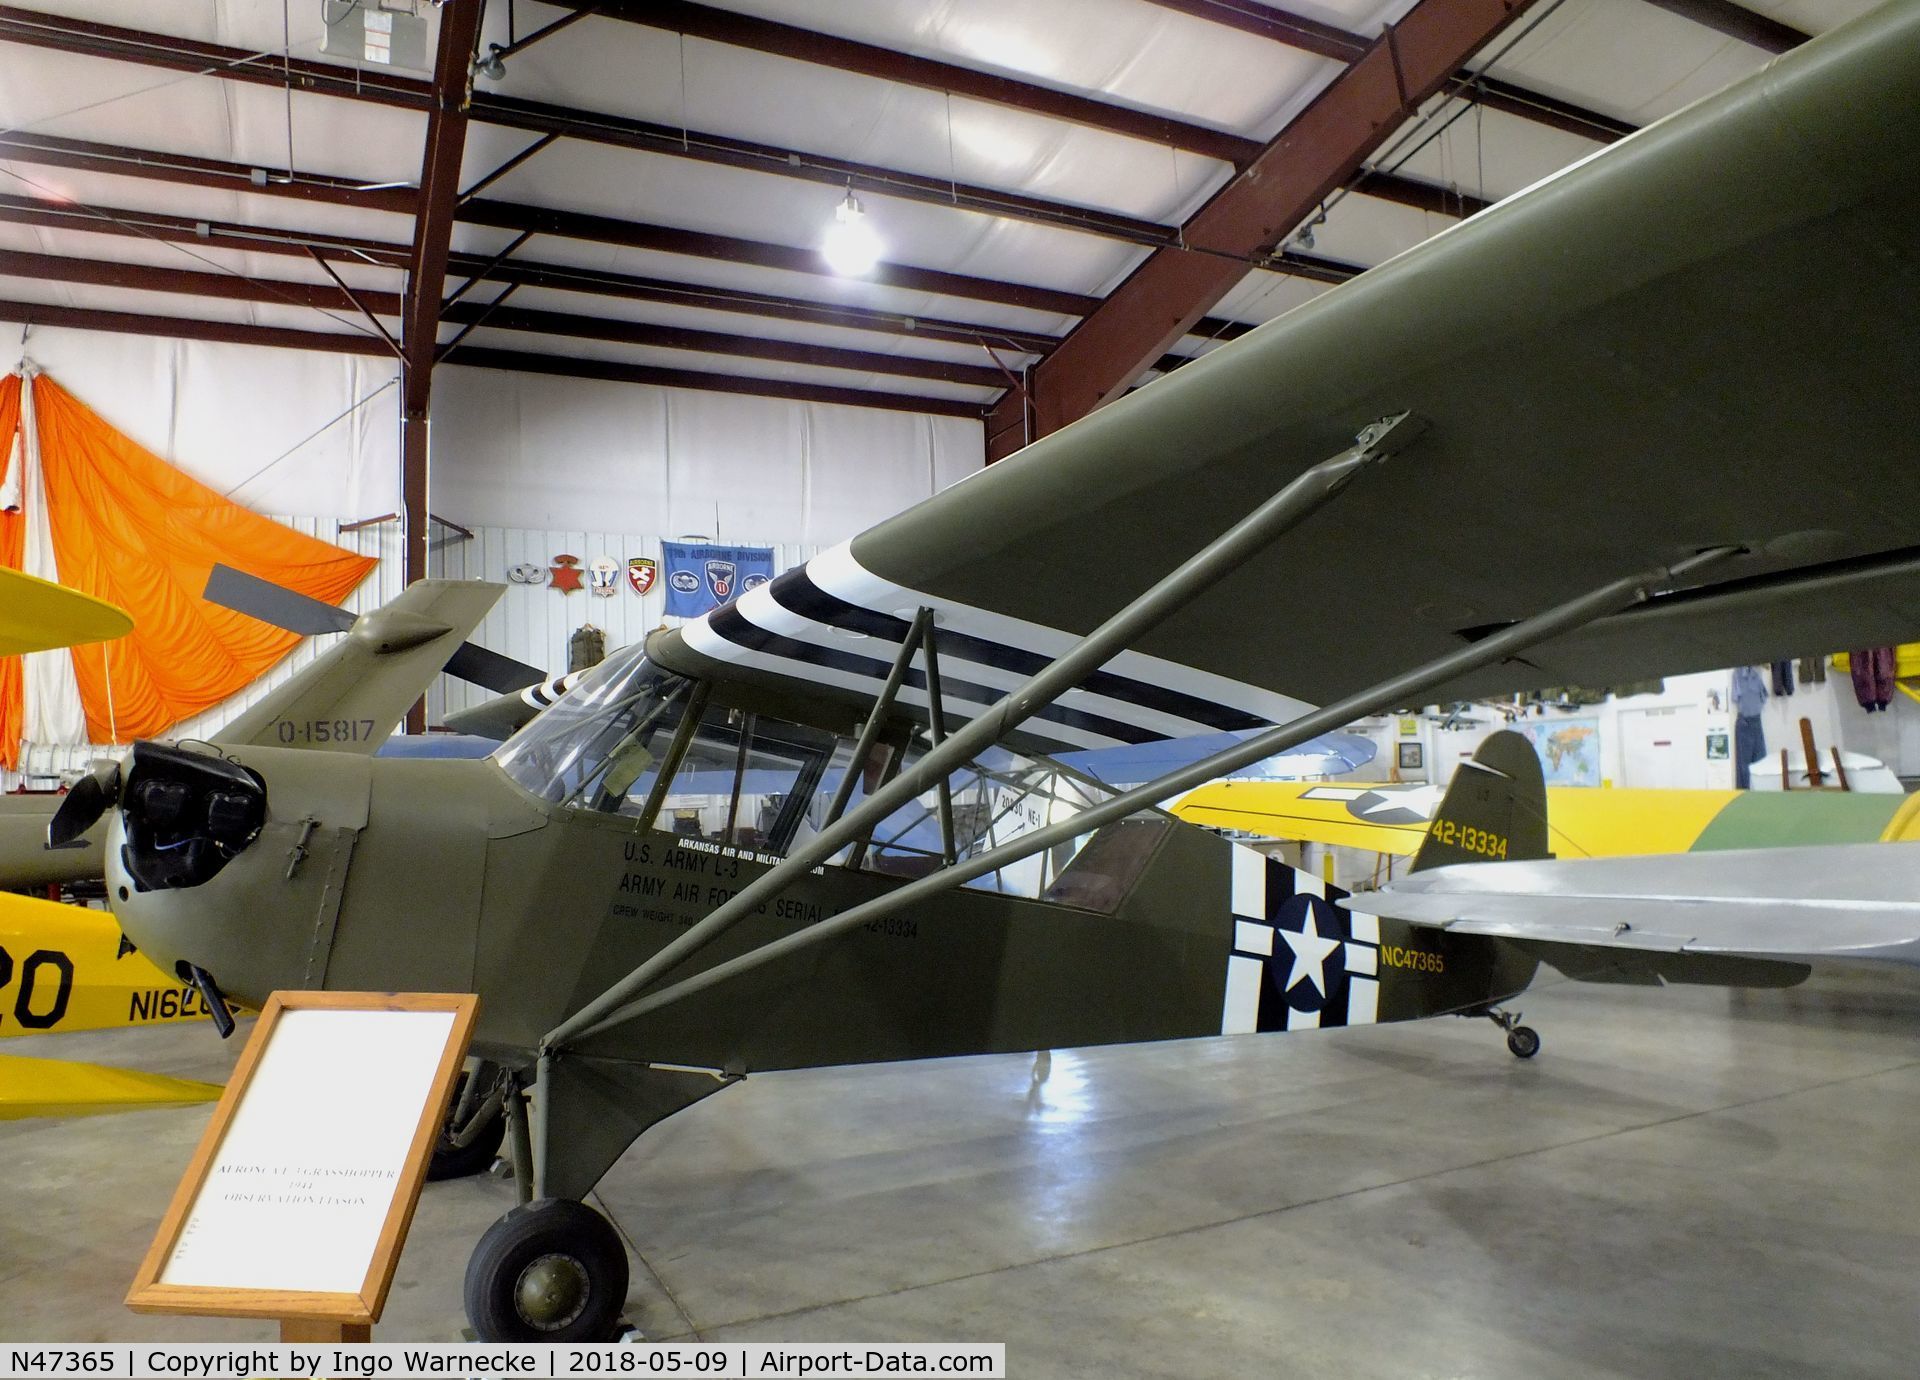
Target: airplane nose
185	815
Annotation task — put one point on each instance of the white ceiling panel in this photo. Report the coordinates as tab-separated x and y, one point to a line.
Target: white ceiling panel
1624	58
1128	51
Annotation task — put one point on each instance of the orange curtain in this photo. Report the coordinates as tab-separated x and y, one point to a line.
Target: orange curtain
13	547
130	528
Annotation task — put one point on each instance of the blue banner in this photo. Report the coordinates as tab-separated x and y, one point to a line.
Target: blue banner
700	578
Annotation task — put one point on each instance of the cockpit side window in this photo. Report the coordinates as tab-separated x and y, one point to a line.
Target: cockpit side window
747	782
996	799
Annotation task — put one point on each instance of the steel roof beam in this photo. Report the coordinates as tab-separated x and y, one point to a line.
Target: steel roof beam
1341	45
61	33
278	337
172	229
186	230
848	55
843	174
1737	21
701	244
1318	151
525	362
722	343
131	45
117	160
230	286
190	328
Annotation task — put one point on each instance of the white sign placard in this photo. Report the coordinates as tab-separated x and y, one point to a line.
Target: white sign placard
313	1154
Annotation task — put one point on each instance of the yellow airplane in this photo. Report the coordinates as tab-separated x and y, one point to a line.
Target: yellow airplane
1582	822
65	967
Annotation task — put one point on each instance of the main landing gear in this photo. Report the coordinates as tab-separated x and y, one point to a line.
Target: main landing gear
552	1270
1523	1041
476	1123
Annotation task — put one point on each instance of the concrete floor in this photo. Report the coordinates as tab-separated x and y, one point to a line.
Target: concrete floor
1685	1183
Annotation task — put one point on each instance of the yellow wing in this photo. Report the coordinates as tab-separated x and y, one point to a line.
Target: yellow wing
64	968
36	615
1388	818
1380	818
54	1087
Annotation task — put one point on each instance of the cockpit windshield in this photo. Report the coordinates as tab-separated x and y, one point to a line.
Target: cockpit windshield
615	723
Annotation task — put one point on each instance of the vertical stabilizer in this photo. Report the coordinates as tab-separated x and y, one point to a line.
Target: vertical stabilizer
1494	810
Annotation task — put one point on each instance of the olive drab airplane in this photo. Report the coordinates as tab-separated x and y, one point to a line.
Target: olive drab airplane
824	824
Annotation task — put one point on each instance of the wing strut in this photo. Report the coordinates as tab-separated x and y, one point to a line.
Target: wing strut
1197	574
1608	598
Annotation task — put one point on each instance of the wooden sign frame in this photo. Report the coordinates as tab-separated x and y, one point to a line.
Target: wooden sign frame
149	1295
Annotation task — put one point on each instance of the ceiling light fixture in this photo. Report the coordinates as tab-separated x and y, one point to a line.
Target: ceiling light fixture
850	247
492	66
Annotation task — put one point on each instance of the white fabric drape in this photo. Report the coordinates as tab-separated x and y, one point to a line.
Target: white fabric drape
54	714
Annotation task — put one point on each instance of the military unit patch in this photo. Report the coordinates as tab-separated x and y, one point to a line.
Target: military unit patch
601	575
1299	960
566	574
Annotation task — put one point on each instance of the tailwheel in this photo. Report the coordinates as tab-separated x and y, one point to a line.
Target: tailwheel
1523	1041
469	1140
549	1271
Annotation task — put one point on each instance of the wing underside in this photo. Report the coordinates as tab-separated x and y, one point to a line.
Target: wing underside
1680	343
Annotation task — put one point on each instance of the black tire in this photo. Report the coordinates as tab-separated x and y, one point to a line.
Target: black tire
1523	1041
549	1271
477	1155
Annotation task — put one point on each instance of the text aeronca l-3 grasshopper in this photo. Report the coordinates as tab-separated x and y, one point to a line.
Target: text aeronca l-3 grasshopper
1656	414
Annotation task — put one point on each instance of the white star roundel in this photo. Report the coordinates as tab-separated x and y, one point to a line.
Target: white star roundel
1300	961
1310	954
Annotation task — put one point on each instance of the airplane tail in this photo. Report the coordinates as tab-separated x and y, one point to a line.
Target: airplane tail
353	696
1494	810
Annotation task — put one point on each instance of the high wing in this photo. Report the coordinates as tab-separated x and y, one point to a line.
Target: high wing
1796	905
1705	335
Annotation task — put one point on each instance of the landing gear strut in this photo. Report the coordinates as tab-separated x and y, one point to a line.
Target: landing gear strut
1523	1041
476	1124
553	1270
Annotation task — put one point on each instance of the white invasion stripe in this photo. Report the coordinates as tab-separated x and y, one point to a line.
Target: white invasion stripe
1249	883
1363	1001
701	637
760	608
1365	928
1361	959
839	574
1253	939
1302	1020
1241	1012
1306	883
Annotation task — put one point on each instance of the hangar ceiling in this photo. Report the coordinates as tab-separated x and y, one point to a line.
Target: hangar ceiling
1068	198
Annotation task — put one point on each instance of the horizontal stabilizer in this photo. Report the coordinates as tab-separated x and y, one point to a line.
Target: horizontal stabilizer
1787	905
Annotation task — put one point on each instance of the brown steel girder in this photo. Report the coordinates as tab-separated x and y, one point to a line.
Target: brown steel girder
1318	151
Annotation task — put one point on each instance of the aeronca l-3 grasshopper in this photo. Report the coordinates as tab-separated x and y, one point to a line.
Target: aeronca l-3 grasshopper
1655	414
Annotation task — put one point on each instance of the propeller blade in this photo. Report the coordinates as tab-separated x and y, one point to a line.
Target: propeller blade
500	674
263	599
91	796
